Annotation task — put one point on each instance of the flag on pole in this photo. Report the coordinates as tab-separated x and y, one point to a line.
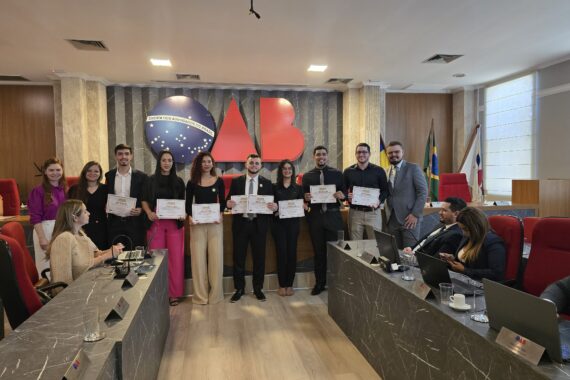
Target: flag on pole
384	162
431	166
472	166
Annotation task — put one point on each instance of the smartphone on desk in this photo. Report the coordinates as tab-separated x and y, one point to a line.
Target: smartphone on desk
446	256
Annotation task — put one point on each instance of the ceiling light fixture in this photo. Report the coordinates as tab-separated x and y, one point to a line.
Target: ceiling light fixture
317	68
458	75
161	62
253	12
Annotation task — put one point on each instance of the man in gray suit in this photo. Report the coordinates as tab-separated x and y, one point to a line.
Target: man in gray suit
406	199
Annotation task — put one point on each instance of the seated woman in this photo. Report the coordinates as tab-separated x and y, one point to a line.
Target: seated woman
559	294
481	253
71	252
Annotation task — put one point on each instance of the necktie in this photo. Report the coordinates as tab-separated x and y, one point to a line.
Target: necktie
322	182
393	173
250	192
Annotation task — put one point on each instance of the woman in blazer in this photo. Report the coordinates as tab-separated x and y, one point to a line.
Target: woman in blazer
482	253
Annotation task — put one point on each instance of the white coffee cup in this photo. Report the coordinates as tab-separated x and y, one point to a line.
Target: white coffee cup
457	299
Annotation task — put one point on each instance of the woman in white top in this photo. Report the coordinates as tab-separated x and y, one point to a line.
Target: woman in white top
71	252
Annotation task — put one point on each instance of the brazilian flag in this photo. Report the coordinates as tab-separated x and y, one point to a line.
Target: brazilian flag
431	167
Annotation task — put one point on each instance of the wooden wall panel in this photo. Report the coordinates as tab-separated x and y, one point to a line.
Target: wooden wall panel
408	120
27	133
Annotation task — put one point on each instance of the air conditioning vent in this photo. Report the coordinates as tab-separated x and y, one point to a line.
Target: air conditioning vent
13	78
338	81
88	45
442	58
187	76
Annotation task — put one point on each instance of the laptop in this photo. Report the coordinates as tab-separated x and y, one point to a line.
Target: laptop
530	316
435	271
387	246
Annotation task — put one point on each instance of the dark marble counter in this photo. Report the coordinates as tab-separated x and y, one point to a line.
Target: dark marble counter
405	337
44	346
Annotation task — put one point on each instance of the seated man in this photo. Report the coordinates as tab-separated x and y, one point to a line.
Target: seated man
559	294
444	238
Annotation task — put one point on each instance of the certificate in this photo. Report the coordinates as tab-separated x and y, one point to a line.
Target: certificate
257	204
291	209
171	208
323	194
365	196
120	206
241	204
206	212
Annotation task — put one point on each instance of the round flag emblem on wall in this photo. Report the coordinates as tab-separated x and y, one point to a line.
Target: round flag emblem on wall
182	125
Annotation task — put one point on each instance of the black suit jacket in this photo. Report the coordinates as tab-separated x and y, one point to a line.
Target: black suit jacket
138	182
265	187
491	261
446	241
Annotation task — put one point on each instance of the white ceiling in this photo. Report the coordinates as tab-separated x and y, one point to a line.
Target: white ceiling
367	40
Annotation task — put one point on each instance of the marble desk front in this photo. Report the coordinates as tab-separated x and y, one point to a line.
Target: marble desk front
44	346
405	337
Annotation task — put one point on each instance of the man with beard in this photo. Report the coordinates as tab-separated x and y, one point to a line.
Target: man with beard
125	181
324	219
250	229
445	238
407	197
368	175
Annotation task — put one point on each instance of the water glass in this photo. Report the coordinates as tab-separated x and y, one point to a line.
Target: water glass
408	260
445	291
91	325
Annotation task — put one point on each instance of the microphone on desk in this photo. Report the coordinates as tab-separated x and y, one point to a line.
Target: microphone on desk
120	270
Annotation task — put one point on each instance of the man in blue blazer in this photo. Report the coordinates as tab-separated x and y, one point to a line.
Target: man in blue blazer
126	182
407	195
250	229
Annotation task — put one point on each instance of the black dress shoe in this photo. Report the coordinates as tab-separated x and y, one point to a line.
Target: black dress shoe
237	295
317	290
259	295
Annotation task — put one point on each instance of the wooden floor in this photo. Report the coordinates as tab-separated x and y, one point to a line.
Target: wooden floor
283	338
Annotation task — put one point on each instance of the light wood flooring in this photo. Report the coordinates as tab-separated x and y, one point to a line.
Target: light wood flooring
283	338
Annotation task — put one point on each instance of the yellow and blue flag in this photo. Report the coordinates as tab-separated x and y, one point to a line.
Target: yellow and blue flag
431	166
384	162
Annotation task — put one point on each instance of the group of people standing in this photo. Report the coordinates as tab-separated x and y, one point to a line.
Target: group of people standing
79	233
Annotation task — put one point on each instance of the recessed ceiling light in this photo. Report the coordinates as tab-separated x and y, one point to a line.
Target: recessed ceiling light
161	62
317	68
459	75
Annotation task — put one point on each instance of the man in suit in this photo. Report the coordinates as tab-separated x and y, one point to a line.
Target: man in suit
250	229
367	175
444	238
324	219
407	197
126	182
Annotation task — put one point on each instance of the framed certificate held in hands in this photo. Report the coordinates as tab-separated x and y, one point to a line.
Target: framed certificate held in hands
206	212
171	208
120	206
291	209
365	196
257	204
323	193
241	204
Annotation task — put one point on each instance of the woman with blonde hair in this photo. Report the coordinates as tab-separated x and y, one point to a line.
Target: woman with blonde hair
481	253
71	252
43	203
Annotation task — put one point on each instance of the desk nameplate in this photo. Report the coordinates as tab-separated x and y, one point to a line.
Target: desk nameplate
130	280
119	310
520	346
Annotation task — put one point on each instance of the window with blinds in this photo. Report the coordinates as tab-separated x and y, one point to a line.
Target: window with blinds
509	135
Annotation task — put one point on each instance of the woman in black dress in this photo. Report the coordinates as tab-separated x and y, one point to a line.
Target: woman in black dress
93	194
286	231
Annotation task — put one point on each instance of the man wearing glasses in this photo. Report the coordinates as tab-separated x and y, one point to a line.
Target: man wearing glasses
368	176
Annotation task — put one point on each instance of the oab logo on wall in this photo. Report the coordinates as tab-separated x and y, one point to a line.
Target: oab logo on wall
181	125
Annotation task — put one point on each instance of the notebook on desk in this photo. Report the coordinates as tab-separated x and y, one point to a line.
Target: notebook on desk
436	271
530	316
387	246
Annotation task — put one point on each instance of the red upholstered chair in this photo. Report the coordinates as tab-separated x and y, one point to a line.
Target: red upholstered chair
549	258
16	231
18	294
10	196
227	178
454	185
71	181
299	179
510	229
529	222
